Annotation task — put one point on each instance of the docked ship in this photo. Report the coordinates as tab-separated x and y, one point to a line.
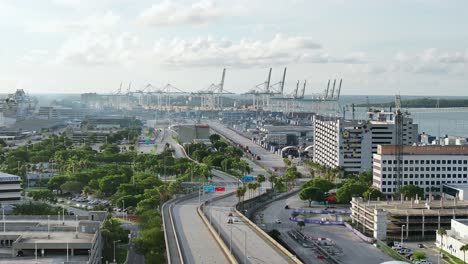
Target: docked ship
18	105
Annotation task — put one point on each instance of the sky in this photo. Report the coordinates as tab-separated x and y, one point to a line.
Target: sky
378	47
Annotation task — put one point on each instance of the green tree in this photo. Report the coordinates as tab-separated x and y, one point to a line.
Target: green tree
43	195
352	188
464	248
214	137
441	232
261	178
373	193
319	183
56	181
411	191
112	231
109	184
418	255
301	225
311	194
240	192
72	187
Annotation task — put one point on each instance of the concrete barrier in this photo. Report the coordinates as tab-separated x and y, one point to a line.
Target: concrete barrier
292	258
220	242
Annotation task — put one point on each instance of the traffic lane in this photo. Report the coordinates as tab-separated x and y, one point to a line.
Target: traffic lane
268	159
196	241
258	250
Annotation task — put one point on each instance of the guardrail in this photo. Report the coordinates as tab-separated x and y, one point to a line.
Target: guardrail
259	231
174	228
217	238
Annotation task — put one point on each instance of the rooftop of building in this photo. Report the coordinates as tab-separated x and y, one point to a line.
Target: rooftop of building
6	177
424	150
419	207
271	129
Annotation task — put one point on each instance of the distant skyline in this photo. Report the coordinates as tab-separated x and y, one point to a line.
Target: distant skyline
411	47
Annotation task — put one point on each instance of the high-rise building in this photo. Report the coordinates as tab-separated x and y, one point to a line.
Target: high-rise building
350	144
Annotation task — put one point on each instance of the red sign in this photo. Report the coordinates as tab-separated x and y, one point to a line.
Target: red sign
220	189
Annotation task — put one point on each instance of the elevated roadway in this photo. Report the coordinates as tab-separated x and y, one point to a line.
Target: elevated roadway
268	160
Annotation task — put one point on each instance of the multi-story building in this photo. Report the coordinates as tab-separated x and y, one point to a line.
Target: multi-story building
350	143
428	166
456	237
10	188
419	219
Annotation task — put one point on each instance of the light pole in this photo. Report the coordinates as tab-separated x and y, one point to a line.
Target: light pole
114	249
48	226
3	216
402	227
245	242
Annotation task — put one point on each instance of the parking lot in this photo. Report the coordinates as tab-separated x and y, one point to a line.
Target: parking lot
347	246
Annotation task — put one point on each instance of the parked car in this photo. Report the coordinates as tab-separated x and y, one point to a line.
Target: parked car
422	261
278	221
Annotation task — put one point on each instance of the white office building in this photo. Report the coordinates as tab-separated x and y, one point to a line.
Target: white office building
10	188
456	237
351	143
429	167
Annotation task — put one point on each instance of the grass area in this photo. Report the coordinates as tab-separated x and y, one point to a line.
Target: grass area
451	258
392	253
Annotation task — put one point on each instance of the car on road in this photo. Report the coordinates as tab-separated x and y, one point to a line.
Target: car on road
286	207
420	246
422	261
278	221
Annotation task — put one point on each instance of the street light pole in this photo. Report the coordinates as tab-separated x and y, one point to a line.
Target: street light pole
402	228
114	249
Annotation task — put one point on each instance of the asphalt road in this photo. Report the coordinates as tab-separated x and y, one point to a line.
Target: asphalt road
196	242
268	159
133	256
353	249
258	250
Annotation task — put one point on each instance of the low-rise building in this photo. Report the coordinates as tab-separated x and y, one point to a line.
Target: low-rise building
10	187
57	239
428	166
455	238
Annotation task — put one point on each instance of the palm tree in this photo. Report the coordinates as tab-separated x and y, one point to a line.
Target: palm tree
250	186
464	248
301	225
441	232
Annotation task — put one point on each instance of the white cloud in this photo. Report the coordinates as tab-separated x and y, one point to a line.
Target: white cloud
168	13
246	53
90	49
430	61
96	23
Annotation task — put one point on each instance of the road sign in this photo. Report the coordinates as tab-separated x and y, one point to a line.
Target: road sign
248	178
220	189
208	188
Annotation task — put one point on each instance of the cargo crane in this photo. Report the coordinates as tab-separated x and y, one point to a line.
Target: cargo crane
211	97
265	90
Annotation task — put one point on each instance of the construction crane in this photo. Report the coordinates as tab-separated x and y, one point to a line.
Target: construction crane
398	141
